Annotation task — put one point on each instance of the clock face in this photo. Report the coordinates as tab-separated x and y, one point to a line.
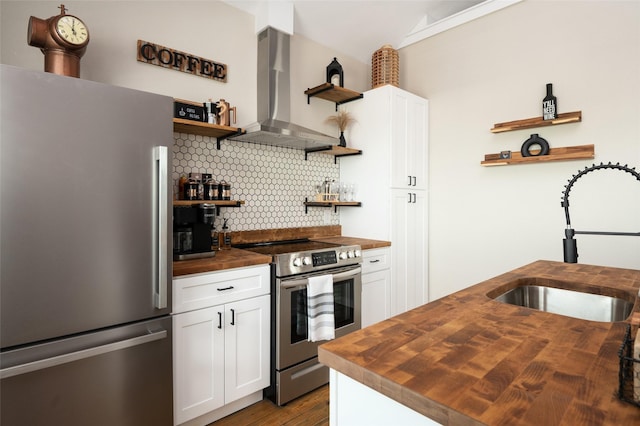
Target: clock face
72	30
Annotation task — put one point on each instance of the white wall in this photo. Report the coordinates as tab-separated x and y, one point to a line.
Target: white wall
487	220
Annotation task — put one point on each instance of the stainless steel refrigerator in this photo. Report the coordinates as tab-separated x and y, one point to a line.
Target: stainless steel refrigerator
85	254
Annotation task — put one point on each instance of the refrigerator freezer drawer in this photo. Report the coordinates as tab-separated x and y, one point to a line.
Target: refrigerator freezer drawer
121	376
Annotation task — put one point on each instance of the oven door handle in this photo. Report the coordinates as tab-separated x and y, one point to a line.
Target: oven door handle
302	282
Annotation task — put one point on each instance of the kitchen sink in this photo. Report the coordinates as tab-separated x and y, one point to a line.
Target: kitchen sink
571	303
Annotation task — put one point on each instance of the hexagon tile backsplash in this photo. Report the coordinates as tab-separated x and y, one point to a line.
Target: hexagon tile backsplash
272	181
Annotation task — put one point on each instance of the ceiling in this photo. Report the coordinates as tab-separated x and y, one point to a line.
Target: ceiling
360	27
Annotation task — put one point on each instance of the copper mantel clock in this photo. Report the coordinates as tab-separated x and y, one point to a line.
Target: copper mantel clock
63	39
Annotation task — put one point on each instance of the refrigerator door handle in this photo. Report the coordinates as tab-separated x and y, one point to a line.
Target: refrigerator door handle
160	231
82	354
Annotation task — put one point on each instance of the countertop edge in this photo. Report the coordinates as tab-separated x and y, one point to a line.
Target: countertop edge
223	260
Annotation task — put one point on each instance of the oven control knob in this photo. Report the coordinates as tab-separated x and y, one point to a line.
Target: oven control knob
306	261
358	253
343	255
297	261
351	253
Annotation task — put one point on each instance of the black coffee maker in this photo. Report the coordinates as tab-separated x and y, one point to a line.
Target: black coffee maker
192	231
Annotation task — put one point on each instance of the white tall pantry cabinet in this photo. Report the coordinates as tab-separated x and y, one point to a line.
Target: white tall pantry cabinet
391	177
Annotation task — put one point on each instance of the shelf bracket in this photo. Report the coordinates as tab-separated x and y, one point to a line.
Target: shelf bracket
218	208
239	132
335	159
355	98
318	149
318	90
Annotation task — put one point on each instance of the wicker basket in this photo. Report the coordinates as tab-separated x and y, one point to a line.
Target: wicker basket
385	67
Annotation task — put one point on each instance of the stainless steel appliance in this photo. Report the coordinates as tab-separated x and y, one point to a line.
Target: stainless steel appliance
274	100
295	367
85	269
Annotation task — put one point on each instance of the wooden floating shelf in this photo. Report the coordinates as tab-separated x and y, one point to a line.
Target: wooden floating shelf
579	152
567	117
334	204
336	151
333	93
219	203
217	131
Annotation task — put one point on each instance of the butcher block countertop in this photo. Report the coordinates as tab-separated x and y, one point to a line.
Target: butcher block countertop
364	244
224	259
466	359
237	258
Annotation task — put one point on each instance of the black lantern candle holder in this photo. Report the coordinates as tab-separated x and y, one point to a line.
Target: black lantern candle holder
335	69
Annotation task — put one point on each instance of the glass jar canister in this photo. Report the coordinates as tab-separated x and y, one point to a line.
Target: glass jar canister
191	190
211	190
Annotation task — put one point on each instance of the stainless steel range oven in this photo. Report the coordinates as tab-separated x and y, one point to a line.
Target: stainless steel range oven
295	367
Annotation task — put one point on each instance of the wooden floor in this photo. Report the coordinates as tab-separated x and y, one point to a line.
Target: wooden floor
311	409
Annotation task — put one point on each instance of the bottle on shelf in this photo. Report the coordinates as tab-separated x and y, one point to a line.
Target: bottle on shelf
549	105
224	237
215	238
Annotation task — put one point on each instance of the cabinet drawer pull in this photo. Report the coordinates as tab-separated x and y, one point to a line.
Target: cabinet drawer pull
374	261
226	288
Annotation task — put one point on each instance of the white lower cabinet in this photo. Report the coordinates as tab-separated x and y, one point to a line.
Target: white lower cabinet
376	285
221	352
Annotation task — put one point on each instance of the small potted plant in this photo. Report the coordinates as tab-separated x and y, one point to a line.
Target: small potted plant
342	119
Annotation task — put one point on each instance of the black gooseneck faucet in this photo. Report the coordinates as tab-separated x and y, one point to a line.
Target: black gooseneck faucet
569	244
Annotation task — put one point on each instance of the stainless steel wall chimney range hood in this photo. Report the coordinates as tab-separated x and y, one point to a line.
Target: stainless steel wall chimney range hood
273	126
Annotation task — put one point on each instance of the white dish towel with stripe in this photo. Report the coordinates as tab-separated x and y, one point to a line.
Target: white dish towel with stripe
320	308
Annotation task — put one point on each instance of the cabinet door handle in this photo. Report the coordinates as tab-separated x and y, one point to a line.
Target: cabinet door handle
225	288
220	320
415	181
409	198
233	317
409	180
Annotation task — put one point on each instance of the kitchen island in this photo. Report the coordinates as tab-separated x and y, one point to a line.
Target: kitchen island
467	359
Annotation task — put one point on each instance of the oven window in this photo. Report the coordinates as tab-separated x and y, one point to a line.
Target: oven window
343	308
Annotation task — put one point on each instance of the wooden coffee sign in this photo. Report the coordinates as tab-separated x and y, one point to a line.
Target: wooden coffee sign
165	57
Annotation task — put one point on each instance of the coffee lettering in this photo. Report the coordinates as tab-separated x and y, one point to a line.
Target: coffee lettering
177	60
165	57
147	51
205	68
192	63
220	71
